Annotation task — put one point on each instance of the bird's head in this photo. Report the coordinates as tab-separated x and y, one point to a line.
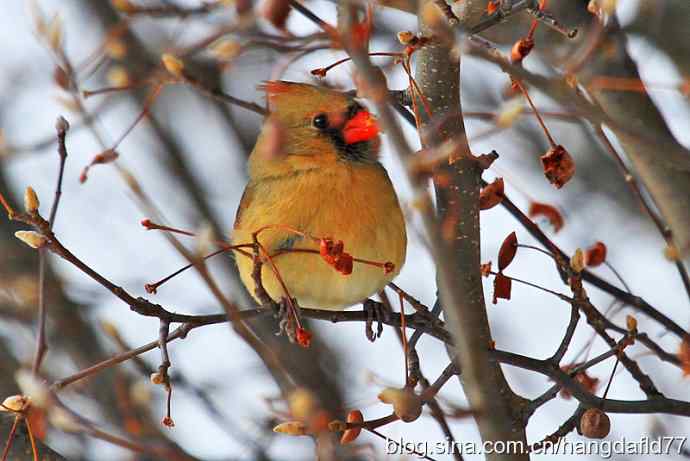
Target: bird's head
312	127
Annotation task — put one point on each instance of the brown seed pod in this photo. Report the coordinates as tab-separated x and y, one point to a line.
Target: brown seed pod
595	424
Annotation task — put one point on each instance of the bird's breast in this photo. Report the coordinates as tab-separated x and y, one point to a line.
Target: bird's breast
355	203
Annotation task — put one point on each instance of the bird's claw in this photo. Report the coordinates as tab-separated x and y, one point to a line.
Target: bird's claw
279	309
282	314
286	311
376	312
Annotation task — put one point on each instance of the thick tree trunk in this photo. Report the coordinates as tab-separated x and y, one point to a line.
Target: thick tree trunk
661	162
457	188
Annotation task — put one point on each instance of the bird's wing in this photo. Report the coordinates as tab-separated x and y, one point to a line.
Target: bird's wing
245	201
248	195
288	242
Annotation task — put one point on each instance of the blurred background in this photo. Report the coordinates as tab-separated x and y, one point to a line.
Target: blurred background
189	158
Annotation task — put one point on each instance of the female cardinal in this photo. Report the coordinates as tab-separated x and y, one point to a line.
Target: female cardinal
314	169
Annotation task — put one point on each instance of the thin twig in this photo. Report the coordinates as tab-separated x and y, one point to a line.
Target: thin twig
10	438
568	426
569	333
179	332
32	439
163	333
552	392
633	300
61	126
636	190
560	296
657	404
440	417
171	10
307	13
613	372
431	391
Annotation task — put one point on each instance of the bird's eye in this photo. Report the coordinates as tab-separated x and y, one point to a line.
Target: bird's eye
320	121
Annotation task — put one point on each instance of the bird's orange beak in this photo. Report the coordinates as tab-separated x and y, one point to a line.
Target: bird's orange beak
362	127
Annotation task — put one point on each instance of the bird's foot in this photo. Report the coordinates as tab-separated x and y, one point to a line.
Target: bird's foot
281	312
284	312
279	309
376	312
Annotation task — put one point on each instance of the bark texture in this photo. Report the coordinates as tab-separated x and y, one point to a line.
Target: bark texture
661	162
457	186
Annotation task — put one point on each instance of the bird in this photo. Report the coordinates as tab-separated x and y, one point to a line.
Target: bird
315	183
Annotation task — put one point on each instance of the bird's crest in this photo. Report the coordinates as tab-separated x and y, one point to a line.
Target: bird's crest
294	96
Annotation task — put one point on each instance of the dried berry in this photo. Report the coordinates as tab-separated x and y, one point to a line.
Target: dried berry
558	165
595	424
